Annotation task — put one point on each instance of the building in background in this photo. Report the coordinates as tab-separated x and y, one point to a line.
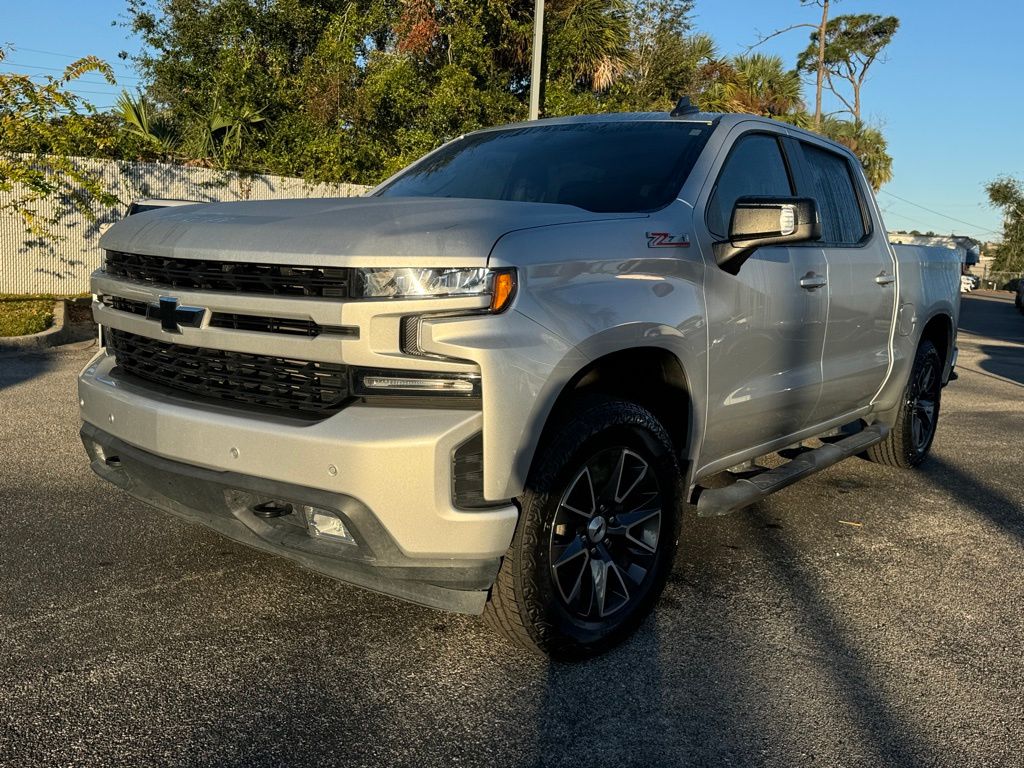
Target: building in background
969	249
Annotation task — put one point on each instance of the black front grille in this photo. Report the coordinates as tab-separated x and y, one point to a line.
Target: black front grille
293	387
231	276
259	323
122	304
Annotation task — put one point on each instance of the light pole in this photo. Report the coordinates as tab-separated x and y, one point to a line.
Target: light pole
537	70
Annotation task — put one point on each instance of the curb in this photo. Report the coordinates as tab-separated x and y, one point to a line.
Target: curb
61	332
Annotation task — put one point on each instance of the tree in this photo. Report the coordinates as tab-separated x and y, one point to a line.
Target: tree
140	119
756	84
851	44
666	61
1007	194
819	66
867	143
40	123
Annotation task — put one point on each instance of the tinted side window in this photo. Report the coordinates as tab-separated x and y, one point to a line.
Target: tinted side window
838	204
754	167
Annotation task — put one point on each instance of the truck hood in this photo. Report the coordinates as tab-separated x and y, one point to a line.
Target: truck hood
369	231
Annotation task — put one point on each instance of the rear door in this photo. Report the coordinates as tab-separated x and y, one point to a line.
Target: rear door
765	331
861	281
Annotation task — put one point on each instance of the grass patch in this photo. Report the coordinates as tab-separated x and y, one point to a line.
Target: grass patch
20	317
40	296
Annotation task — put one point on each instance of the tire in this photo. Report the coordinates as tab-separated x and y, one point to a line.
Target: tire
601	508
912	433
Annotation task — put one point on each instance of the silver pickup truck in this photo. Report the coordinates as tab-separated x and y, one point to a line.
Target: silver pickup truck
495	384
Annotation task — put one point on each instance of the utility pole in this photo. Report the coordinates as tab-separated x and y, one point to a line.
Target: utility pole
537	71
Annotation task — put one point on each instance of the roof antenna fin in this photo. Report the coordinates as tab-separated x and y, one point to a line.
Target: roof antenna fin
685	107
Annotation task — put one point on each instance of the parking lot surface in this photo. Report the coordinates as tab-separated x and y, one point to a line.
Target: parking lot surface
864	617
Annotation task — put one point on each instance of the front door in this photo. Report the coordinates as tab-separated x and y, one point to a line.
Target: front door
766	325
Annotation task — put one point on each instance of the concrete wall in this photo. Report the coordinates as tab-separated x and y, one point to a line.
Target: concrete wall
63	266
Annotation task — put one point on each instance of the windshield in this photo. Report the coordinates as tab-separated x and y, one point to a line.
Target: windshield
620	167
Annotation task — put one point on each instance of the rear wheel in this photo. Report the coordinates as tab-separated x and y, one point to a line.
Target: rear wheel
918	416
597	534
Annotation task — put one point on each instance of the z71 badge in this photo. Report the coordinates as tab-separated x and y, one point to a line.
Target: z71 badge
667	240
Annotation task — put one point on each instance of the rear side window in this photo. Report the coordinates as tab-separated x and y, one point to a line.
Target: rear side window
754	167
842	222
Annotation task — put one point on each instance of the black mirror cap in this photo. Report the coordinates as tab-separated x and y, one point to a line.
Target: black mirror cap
761	221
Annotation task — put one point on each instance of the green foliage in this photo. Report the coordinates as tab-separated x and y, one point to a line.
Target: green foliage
140	119
757	84
852	44
1007	194
867	143
354	90
21	318
42	127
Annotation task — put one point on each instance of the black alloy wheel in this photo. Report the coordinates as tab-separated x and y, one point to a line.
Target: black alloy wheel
923	404
605	534
914	423
597	532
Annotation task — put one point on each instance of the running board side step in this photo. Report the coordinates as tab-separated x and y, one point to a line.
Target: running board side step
713	502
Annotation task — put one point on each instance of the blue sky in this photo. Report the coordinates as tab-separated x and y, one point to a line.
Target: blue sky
948	96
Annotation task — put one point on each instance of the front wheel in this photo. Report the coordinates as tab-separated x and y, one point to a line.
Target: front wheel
596	536
918	416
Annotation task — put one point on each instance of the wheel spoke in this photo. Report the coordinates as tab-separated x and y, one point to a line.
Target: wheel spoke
589	505
599	577
923	421
927	407
647	519
636	573
621	495
610	590
575	551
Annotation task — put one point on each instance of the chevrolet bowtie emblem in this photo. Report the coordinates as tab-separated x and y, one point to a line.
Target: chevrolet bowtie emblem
172	317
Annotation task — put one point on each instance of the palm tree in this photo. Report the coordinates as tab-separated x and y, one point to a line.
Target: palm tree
867	143
228	129
756	84
589	40
142	120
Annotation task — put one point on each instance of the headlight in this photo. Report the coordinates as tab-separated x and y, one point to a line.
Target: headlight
411	282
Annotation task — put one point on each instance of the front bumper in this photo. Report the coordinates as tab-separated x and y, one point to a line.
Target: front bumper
386	470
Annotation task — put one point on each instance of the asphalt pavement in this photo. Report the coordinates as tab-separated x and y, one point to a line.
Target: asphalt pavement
864	617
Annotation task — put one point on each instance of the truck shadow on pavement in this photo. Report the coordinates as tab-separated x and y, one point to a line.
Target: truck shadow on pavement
991	318
1004	361
988	503
19	367
692	687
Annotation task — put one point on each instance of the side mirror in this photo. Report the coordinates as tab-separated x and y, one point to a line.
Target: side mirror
760	221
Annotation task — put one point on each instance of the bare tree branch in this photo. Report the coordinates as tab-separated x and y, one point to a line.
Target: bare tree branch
776	33
835	92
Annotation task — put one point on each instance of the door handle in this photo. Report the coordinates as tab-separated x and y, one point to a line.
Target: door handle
884	278
810	281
